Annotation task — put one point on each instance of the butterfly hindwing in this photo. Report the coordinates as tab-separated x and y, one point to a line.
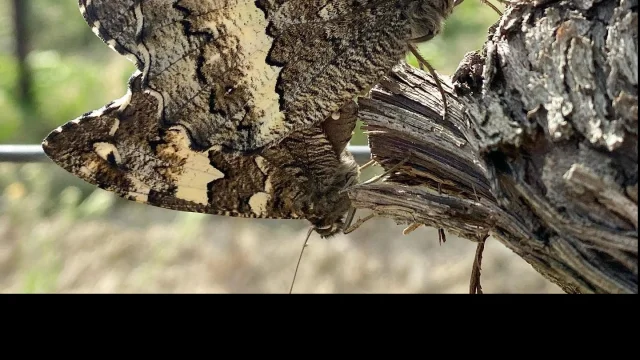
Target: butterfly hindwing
115	23
121	148
245	74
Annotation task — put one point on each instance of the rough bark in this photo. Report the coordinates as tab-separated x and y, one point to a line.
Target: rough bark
539	147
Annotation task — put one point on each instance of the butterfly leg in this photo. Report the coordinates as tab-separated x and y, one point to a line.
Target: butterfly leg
423	62
350	228
392	169
352	210
351	214
367	165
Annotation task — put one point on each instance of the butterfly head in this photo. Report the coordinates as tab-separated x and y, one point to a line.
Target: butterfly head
327	216
329	230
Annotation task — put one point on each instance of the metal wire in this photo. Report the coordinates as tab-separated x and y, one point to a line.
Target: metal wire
35	154
22	154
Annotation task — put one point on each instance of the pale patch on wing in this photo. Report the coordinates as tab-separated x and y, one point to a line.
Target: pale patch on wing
262	164
264	168
104	150
142	190
146	56
236	73
250	25
160	100
121	103
96	28
124	101
258	203
247	29
191	171
83	9
268	187
114	128
89	169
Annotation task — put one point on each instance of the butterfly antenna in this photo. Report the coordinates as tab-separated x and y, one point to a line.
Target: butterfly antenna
389	171
423	62
358	223
367	164
300	258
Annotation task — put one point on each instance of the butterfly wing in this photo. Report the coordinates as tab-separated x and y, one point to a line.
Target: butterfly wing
115	23
245	74
121	148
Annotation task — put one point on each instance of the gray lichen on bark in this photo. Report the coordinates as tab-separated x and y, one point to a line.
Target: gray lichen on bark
539	149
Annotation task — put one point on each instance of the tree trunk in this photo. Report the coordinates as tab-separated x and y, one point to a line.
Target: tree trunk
539	146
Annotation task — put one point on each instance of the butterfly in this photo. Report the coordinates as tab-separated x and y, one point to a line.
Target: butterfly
239	107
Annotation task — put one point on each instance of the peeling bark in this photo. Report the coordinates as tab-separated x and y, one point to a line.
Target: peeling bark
539	147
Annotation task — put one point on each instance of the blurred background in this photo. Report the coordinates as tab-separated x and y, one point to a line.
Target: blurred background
60	234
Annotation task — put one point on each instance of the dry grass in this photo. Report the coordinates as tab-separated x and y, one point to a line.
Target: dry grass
107	245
